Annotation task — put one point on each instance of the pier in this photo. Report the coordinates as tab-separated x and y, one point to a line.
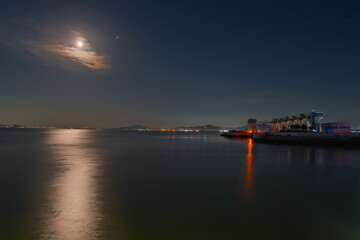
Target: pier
305	128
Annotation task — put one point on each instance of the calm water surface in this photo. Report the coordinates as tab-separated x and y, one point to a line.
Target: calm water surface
93	184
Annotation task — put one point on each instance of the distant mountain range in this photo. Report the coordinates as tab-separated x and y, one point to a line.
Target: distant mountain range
133	128
138	127
208	127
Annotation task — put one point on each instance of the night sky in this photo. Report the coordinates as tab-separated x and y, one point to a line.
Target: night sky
177	63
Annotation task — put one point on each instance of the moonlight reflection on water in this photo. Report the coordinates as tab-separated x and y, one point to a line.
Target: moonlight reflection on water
72	210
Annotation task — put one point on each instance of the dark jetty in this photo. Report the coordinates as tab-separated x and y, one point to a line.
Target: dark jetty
351	139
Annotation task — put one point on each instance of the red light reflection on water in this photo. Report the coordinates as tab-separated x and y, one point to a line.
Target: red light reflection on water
343	157
249	170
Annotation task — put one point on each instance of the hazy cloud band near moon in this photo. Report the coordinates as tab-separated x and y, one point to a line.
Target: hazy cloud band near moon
56	47
84	55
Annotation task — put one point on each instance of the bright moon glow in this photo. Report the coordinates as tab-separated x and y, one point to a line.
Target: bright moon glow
80	44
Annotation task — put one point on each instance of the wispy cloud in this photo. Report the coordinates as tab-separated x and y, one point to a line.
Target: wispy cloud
88	57
55	46
83	54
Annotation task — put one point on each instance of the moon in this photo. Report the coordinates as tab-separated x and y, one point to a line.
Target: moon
80	44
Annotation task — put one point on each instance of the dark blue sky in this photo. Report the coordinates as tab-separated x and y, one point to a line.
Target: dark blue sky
171	63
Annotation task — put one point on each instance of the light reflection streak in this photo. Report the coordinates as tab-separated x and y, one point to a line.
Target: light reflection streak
343	157
249	169
72	209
